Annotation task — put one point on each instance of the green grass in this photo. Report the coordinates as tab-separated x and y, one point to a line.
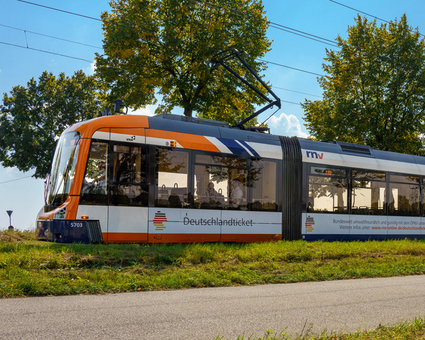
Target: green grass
414	329
34	268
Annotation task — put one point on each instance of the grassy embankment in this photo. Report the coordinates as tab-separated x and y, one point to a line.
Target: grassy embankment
413	330
33	268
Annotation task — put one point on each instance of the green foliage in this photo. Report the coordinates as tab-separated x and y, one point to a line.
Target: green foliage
373	90
34	268
164	47
32	118
269	335
29	267
414	329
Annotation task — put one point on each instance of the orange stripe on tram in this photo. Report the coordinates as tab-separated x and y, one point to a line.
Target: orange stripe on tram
187	141
125	237
201	238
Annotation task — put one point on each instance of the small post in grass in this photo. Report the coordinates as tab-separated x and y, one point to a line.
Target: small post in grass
9	212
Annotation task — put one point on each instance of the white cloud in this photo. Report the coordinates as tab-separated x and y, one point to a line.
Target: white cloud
93	66
147	111
13	171
286	125
91	69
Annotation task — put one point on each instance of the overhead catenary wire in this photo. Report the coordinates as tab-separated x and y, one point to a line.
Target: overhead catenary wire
303	34
307	94
14	180
50	36
292	68
90	61
75	42
367	14
67	56
44	51
272	24
60	10
370	15
275	25
282	27
286	101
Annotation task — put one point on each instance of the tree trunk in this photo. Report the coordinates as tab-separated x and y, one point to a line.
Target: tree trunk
188	111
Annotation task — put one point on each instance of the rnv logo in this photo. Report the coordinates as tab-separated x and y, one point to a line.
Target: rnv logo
313	154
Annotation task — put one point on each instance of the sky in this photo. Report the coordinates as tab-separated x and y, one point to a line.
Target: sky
35	38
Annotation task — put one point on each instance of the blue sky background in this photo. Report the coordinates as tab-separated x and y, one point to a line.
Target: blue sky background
23	25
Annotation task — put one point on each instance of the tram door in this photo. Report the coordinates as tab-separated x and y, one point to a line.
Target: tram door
128	186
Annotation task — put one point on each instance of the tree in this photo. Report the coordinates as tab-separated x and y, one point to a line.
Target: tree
33	117
164	47
374	89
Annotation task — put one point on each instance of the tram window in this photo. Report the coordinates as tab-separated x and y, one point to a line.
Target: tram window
222	186
405	196
316	170
129	176
94	190
327	194
368	175
171	176
263	179
63	168
221	160
405	179
238	190
210	187
423	196
368	195
209	159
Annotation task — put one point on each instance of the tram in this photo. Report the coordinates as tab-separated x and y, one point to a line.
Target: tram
175	179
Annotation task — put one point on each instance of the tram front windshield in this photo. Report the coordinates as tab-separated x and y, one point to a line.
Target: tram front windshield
63	168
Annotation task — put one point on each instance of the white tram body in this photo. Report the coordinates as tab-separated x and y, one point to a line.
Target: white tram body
173	179
375	194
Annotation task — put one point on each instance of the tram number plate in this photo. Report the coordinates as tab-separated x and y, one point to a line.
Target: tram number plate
76	225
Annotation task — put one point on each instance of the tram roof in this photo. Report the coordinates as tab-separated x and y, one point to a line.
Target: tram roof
189	125
359	150
205	127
